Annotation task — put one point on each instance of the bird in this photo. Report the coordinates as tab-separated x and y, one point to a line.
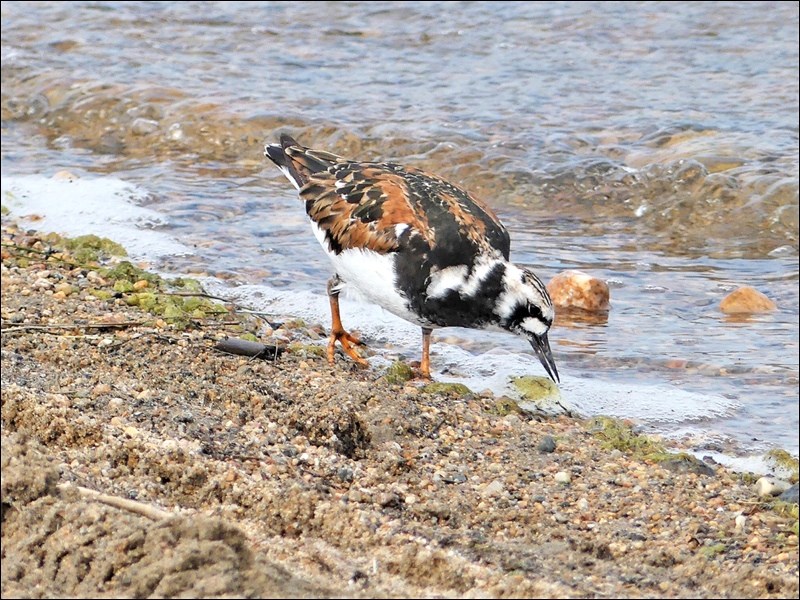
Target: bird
417	245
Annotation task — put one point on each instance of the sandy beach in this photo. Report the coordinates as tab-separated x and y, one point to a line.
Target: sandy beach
139	461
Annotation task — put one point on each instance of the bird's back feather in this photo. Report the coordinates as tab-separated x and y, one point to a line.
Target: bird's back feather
383	207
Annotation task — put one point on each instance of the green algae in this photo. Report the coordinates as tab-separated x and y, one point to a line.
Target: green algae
398	373
535	389
783	461
447	389
307	349
505	406
615	434
91	248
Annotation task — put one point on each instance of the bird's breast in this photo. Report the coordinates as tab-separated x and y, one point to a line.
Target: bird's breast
372	276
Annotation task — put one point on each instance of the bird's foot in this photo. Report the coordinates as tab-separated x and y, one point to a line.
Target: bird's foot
419	372
348	343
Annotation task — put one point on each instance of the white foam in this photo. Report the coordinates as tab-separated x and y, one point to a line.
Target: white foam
104	206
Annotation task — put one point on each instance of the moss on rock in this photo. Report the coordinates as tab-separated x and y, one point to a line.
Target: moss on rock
448	389
398	373
782	460
615	434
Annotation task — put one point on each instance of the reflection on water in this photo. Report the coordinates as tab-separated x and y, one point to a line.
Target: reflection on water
654	145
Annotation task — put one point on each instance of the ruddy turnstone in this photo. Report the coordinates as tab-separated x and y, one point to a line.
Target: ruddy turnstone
416	245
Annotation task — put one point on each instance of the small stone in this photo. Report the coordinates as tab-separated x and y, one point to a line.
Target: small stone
65	176
790	495
344	473
131	431
576	289
746	300
43	284
100	389
686	463
453	478
492	489
144	126
547	445
64	288
141	284
95	278
562	477
770	486
386	499
739	523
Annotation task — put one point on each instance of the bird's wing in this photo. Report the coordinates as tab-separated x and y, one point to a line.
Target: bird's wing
382	206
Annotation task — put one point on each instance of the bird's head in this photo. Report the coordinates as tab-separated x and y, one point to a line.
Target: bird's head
524	308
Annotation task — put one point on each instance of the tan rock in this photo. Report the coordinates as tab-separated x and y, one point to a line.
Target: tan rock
65	176
576	289
746	300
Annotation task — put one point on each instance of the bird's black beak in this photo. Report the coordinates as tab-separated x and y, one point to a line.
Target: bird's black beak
541	345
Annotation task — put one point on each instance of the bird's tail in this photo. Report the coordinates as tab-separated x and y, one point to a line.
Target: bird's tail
298	162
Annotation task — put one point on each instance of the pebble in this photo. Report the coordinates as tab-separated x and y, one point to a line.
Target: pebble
131	431
43	284
562	477
493	488
547	445
576	289
770	486
100	389
790	495
740	522
386	499
65	176
144	126
746	300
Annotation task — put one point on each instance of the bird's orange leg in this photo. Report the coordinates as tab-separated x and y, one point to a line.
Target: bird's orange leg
338	332
425	363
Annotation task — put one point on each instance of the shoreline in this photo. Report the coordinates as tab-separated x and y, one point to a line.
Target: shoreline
292	478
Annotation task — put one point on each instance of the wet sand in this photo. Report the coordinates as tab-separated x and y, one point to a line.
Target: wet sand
225	476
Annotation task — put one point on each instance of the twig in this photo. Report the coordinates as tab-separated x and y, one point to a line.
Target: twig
198	295
46	253
156	514
117	325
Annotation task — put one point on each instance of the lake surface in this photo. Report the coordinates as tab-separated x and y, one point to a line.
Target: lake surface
654	145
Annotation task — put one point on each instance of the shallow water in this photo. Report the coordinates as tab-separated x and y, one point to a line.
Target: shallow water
654	145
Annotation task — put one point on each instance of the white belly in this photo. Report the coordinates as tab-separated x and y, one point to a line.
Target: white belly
371	275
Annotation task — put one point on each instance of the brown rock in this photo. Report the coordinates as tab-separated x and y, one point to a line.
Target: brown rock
576	289
746	300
